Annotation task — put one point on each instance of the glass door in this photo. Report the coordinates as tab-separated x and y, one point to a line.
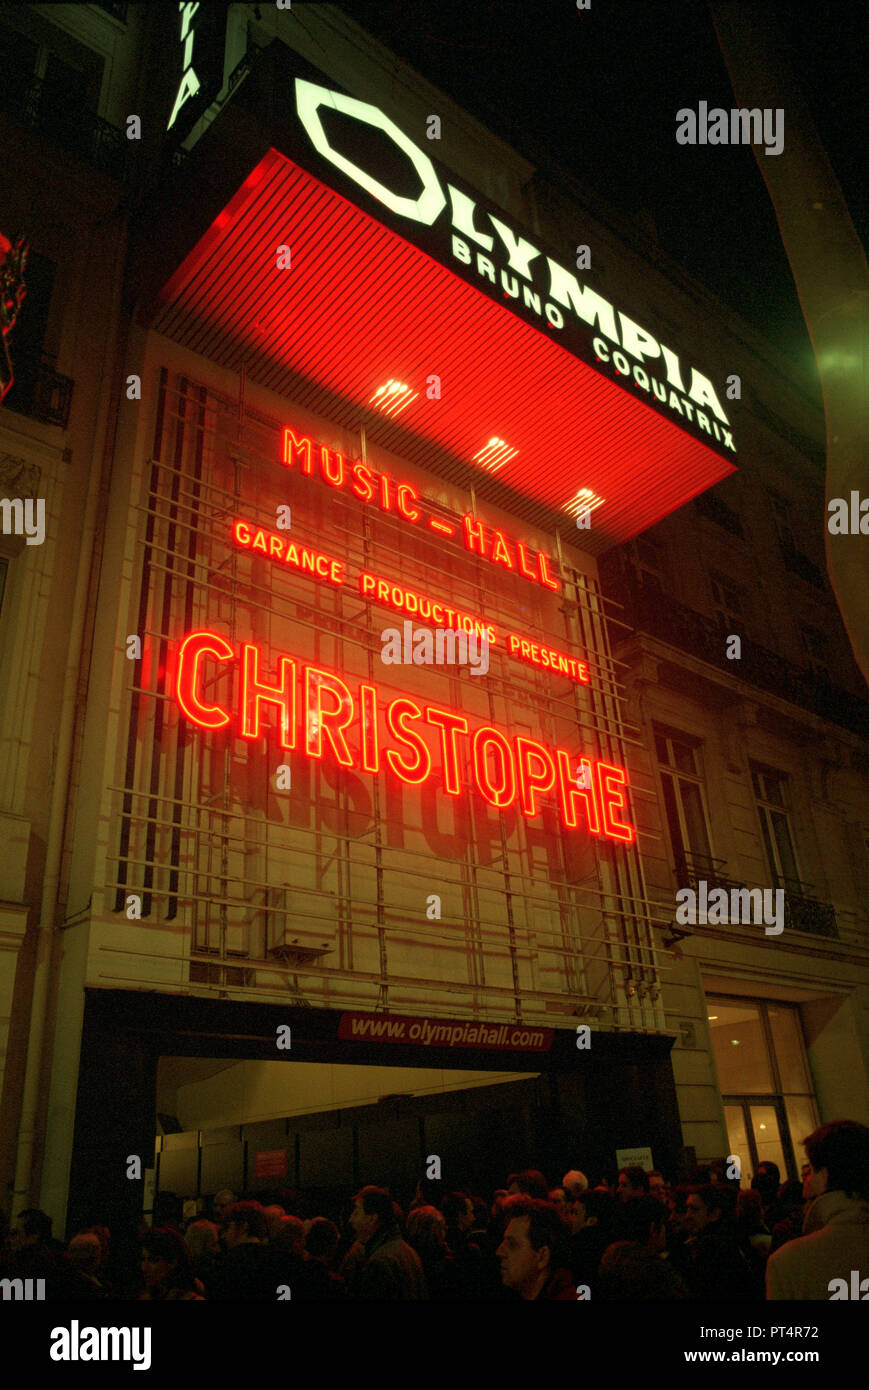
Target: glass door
757	1133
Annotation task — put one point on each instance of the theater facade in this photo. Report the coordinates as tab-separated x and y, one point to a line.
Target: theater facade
350	905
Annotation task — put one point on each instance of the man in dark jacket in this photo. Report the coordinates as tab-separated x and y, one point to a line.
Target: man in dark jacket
715	1266
389	1268
636	1267
248	1270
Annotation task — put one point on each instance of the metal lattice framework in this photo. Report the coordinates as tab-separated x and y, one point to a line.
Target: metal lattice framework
320	892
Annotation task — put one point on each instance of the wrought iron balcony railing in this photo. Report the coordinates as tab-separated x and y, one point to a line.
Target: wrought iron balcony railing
41	106
801	912
809	915
663	617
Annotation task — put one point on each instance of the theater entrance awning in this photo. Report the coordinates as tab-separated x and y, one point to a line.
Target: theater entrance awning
486	397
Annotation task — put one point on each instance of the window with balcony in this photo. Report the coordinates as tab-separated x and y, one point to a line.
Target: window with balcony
803	912
772	796
69	73
681	777
729	601
51	83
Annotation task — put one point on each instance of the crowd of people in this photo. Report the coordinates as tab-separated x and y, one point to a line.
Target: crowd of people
631	1236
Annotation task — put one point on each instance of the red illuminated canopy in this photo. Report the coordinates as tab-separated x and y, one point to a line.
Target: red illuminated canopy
359	306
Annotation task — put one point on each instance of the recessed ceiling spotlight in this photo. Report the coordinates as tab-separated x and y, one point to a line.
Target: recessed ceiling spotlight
586	500
494	454
393	397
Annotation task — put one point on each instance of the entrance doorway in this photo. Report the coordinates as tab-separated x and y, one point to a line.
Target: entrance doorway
766	1085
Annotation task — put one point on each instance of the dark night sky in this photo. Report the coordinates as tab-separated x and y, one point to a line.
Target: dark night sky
599	89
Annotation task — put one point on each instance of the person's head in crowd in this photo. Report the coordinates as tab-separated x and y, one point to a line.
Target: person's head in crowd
658	1186
244	1224
839	1156
706	1205
533	1246
104	1236
202	1239
321	1240
575	1213
678	1204
558	1198
632	1182
85	1253
32	1227
600	1209
482	1213
223	1200
166	1264
458	1210
644	1222
289	1236
499	1197
766	1182
274	1215
529	1183
749	1211
373	1212
429	1192
167	1211
574	1182
426	1230
790	1197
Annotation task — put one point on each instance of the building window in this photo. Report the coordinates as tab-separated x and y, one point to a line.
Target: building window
772	795
728	599
681	783
781	518
647	560
766	1086
69	75
37	390
794	559
817	648
710	505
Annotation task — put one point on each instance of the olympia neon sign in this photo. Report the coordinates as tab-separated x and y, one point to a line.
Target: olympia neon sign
313	711
506	265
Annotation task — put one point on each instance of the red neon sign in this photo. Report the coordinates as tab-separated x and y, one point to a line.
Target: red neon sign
284	551
319	565
298	451
503	768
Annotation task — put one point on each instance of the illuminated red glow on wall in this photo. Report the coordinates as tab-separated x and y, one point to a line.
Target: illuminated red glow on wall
504	769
